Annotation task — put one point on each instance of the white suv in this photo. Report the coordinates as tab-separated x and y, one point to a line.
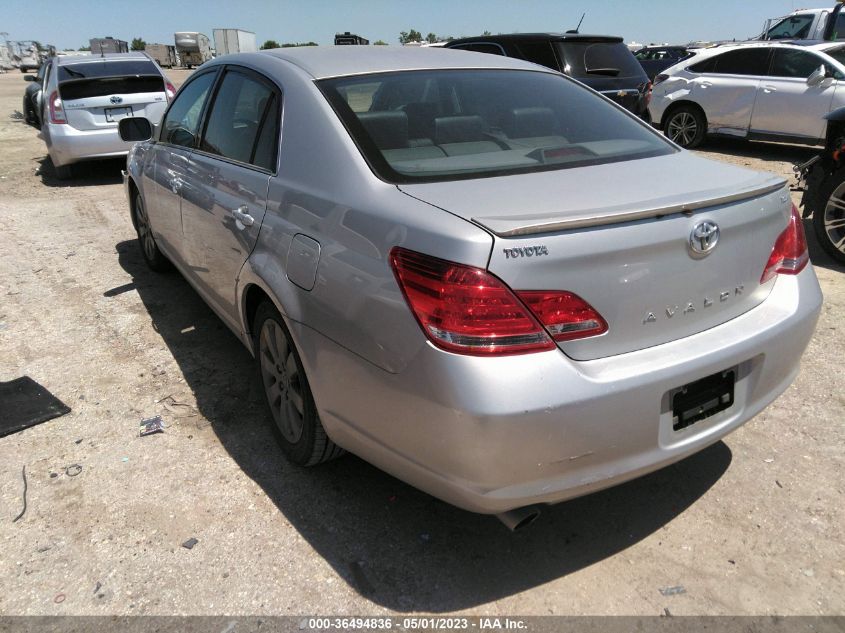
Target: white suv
762	91
84	97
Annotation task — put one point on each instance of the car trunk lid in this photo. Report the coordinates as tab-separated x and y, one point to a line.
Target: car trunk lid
623	245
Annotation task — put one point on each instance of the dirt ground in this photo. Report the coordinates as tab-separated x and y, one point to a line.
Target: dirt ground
753	525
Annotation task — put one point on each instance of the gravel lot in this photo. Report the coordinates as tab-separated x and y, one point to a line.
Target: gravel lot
752	525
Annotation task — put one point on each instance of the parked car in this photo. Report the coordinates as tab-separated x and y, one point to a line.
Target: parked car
88	95
602	62
32	97
656	59
426	260
763	91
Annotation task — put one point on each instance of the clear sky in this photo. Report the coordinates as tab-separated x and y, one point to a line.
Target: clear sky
71	24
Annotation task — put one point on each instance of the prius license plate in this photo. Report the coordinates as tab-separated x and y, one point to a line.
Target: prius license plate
116	114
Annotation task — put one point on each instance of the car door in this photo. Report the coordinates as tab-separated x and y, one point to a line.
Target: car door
727	88
165	172
786	105
225	195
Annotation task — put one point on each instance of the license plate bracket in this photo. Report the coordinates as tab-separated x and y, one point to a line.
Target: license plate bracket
703	398
120	113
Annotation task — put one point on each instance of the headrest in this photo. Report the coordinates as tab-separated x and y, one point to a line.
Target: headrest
388	129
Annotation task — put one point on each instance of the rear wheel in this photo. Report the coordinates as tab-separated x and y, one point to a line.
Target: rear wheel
829	217
686	126
146	241
296	425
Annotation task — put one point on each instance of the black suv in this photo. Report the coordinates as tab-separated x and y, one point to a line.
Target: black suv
602	62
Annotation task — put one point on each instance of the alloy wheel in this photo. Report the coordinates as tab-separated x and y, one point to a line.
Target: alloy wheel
834	218
145	233
281	380
682	128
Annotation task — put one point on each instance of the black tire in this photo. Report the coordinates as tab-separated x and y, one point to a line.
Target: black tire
686	126
28	112
63	172
829	217
154	258
293	414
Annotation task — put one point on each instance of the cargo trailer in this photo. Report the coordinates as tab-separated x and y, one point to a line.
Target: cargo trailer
228	41
107	45
163	54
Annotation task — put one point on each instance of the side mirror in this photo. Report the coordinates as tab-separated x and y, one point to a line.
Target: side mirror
817	77
133	129
30	78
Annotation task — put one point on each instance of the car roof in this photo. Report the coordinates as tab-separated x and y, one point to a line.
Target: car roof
105	57
557	37
322	62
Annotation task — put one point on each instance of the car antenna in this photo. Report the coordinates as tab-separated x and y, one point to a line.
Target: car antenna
575	30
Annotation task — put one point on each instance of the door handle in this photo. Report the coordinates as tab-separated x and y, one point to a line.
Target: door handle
769	89
242	215
175	185
706	84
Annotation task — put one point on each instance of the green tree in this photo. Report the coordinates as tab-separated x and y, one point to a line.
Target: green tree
410	36
84	48
379	43
270	44
295	44
431	38
138	44
486	33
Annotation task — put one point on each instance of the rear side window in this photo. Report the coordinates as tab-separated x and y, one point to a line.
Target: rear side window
238	112
788	62
589	59
182	121
751	61
107	68
539	52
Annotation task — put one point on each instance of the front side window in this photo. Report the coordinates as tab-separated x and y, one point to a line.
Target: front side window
481	123
240	108
789	62
181	124
795	27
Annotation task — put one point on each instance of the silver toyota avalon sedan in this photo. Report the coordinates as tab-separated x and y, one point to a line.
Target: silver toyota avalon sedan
457	266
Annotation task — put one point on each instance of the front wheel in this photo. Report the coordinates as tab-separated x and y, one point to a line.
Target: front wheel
829	217
146	241
296	425
686	126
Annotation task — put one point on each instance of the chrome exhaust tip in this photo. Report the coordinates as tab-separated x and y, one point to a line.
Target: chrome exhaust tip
519	518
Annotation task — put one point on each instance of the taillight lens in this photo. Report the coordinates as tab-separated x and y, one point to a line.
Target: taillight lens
648	90
467	310
660	79
169	90
790	255
57	112
565	315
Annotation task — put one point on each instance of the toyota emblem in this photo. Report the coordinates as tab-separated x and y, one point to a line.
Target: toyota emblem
704	237
116	99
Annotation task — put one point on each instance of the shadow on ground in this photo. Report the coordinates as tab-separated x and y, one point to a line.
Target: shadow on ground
395	545
86	174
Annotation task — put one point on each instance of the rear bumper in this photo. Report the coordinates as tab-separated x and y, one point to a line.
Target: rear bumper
490	435
67	145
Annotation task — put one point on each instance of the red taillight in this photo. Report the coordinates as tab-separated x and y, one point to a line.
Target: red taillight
565	315
467	310
169	90
648	90
790	255
57	112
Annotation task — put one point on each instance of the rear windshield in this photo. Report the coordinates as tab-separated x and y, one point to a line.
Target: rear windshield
591	59
85	88
424	126
108	68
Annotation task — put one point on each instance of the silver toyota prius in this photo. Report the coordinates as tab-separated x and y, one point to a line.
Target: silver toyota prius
457	266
